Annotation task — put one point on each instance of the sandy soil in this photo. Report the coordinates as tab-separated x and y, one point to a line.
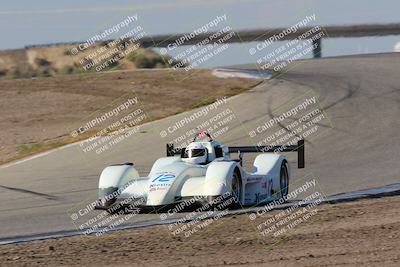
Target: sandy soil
40	113
359	233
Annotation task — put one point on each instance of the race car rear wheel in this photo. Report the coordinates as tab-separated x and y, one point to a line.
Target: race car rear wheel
284	181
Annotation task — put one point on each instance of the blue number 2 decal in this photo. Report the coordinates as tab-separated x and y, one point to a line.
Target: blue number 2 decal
164	178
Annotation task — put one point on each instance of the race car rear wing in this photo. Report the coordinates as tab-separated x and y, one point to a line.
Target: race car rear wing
299	148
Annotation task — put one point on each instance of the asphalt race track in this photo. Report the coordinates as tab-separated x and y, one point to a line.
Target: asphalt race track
359	148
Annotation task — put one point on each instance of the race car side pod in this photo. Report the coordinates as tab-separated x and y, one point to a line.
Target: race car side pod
280	148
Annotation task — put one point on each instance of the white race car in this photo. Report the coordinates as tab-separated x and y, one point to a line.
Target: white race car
203	171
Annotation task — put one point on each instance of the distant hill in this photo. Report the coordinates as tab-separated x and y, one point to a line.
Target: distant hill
54	60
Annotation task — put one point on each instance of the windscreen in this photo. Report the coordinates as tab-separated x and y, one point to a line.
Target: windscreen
192	153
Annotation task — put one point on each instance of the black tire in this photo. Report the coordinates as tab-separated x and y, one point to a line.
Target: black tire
116	209
236	189
104	202
107	202
284	180
235	194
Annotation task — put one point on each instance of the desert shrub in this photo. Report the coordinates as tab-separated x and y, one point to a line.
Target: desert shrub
115	62
103	42
67	52
148	62
141	61
150	59
78	68
42	62
160	65
43	73
109	63
167	59
131	57
15	73
30	74
66	70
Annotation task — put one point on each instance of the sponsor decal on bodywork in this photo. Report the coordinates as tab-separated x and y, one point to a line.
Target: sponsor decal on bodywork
162	181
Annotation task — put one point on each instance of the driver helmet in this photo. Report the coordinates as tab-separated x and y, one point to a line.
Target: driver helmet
195	153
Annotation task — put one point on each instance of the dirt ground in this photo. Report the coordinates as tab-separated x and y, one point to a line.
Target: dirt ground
358	233
40	113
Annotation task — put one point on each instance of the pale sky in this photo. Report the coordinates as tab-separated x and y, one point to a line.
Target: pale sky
26	22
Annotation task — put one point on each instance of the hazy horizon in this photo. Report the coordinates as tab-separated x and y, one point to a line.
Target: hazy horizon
45	22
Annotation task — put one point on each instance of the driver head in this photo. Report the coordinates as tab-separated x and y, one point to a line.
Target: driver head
195	153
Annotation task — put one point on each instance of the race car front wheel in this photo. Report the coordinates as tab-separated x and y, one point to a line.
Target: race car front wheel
232	198
236	189
284	181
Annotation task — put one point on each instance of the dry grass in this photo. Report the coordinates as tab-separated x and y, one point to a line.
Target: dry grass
39	114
